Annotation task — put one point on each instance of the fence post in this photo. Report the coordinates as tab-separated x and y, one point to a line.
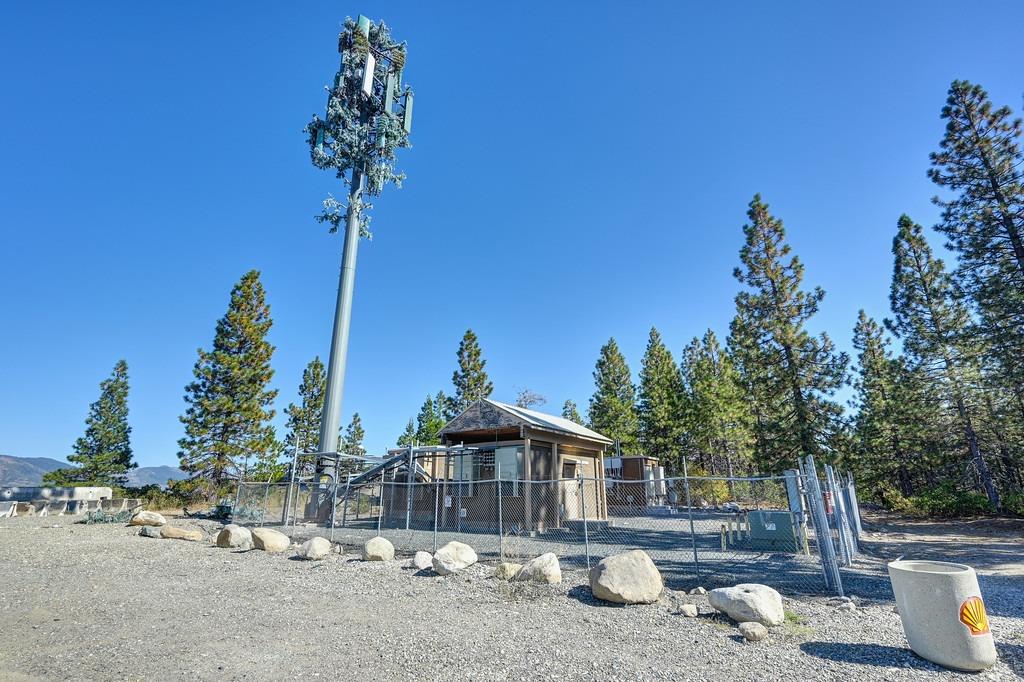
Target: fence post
821	530
344	502
845	553
410	477
334	503
380	503
689	513
501	533
437	488
583	507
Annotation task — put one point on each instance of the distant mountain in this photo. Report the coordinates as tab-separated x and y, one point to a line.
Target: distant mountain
26	470
30	470
154	476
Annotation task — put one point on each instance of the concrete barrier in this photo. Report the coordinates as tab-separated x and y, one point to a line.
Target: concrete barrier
40	507
7	509
113	506
56	508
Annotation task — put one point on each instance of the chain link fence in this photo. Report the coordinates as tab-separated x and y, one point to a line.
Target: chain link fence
699	530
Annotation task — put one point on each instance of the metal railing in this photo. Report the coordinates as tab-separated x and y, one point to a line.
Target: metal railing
699	530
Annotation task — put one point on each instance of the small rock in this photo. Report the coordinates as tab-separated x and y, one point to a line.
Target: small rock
149	532
270	540
749	602
846	606
314	549
147	518
753	632
507	570
453	557
233	536
629	578
378	549
543	569
175	533
422	561
688	610
896	610
698	590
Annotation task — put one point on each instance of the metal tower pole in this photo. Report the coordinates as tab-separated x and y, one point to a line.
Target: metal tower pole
330	423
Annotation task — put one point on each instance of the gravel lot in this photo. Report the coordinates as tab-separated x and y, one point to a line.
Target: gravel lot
99	602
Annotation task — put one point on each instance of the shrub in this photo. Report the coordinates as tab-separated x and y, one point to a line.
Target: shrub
946	500
1014	504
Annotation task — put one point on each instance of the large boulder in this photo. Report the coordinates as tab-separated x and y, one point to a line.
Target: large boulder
629	578
507	570
749	603
378	549
270	540
422	561
543	569
147	518
150	532
175	533
314	549
453	557
233	536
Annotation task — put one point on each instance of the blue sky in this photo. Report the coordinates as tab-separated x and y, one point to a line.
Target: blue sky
580	170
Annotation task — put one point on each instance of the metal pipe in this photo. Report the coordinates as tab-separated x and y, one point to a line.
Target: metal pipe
689	513
330	422
583	507
497	482
437	487
380	503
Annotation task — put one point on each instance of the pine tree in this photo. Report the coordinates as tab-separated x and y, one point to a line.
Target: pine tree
227	420
352	440
304	419
659	405
932	319
430	421
792	374
470	379
571	412
716	418
980	160
613	406
104	453
445	406
408	436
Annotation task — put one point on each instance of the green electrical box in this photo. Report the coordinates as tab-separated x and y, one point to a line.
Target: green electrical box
775	531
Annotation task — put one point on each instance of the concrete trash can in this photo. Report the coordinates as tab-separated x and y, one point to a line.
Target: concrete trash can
943	615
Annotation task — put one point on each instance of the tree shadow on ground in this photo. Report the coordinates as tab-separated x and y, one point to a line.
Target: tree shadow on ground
1012	655
868	654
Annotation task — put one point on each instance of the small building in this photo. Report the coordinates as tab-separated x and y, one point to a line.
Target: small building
537	460
635	481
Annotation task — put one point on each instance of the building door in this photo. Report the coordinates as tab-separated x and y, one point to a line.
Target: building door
570	490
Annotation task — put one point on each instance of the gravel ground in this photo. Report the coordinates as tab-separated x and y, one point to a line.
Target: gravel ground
99	602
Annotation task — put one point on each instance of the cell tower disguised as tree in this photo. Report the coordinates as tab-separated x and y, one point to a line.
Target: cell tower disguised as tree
369	117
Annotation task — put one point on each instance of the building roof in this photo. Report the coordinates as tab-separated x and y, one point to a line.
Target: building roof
537	420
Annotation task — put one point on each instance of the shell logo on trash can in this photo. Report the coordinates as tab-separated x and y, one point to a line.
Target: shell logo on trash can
972	614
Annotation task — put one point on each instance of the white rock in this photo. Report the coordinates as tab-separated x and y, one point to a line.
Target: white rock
270	540
749	602
753	632
453	557
314	549
543	569
378	549
234	537
507	570
698	590
629	578
174	533
147	518
422	561
688	610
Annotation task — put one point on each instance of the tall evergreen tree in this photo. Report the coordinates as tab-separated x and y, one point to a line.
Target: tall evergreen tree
981	162
932	319
352	439
470	379
229	402
613	406
430	421
304	419
792	374
104	453
571	412
658	408
408	436
716	418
